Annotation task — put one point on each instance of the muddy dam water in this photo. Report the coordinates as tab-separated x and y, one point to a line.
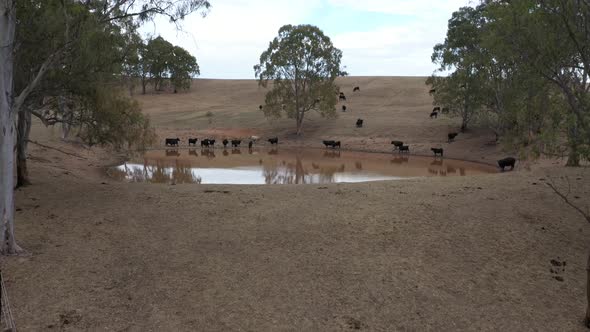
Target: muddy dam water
285	166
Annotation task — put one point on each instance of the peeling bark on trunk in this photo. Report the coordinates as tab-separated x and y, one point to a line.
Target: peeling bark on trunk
588	293
23	131
7	130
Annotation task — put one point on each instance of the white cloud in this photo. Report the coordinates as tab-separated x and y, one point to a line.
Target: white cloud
228	42
416	8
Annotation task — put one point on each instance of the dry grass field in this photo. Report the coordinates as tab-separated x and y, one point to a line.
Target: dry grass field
425	254
391	107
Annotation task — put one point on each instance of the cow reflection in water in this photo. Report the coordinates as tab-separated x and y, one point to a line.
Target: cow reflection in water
180	172
209	153
437	168
236	151
172	153
399	160
436	162
273	152
225	153
332	154
358	165
193	152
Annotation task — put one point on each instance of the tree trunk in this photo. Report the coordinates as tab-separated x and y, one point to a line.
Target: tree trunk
299	123
7	131
23	131
67	116
573	160
463	126
588	293
143	84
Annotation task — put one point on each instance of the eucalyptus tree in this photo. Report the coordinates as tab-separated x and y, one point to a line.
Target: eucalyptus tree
302	64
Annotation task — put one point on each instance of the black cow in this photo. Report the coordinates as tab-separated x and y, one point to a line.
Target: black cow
506	162
436	109
359	123
205	142
404	148
343	108
172	141
356	88
212	142
333	144
260	107
224	142
341	97
328	143
236	142
397	144
192	141
432	91
451	136
250	145
437	151
434	115
274	140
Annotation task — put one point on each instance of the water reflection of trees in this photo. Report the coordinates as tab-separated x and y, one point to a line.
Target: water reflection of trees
159	172
289	173
296	173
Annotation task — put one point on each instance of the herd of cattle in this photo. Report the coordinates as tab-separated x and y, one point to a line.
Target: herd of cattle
209	142
397	145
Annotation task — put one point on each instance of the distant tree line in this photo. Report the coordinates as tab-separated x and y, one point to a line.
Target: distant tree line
156	62
522	69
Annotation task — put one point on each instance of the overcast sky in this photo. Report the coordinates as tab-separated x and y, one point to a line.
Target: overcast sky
377	37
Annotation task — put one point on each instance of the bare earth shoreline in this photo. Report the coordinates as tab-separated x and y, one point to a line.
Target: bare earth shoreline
460	253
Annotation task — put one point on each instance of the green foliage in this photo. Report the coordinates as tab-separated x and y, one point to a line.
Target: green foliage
524	65
107	117
302	65
162	61
182	68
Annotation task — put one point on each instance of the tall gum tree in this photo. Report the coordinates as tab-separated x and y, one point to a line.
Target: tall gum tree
302	64
7	127
11	102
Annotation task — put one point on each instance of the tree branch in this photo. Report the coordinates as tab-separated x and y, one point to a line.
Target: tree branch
56	149
566	200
